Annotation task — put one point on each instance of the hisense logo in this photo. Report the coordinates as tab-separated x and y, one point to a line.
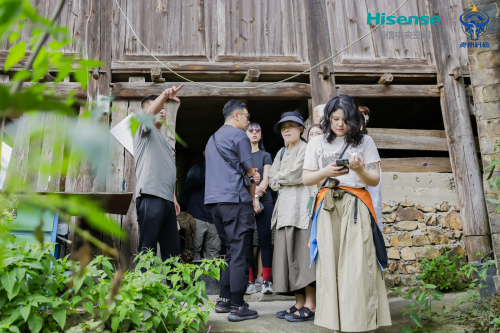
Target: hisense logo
380	18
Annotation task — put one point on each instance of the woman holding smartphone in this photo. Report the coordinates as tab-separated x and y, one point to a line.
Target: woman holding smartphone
351	294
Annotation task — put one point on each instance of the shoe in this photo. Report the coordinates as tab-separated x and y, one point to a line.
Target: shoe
282	314
223	306
242	313
266	288
302	315
250	289
258	281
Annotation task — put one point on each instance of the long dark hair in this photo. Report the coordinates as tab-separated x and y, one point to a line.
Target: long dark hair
352	117
254	124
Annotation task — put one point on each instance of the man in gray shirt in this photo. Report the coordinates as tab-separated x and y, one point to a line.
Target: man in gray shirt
155	170
232	205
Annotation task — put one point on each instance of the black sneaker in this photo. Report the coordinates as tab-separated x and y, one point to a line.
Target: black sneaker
223	306
242	313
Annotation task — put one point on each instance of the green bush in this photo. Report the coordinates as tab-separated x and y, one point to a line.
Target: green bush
34	292
39	293
444	272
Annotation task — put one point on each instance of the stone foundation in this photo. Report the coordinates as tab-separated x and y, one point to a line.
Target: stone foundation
421	219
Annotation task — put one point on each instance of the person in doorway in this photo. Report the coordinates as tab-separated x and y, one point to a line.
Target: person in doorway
315	130
292	272
206	243
351	294
155	170
263	210
375	191
230	190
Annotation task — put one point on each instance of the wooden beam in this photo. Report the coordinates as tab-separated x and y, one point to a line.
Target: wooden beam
390	138
183	66
463	155
63	88
386	78
382	91
416	164
282	90
325	72
252	75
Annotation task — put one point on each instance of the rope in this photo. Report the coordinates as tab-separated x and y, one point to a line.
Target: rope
262	85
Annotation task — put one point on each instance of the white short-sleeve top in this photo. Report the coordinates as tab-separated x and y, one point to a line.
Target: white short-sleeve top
320	153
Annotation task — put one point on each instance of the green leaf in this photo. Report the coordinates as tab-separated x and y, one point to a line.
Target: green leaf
156	321
115	321
407	329
135	317
89	307
430	286
416	320
495	201
59	316
14	329
25	312
497	320
35	322
107	271
16	53
8	280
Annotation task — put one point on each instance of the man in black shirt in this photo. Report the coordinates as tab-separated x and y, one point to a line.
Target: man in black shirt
207	242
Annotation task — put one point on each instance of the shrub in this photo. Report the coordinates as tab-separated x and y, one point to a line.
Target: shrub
38	293
444	272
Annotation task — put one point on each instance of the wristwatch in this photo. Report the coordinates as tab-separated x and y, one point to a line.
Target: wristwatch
252	180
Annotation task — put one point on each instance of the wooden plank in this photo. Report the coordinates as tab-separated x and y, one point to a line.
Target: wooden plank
458	128
115	173
179	57
416	164
51	162
256	58
337	23
389	138
18	166
178	66
383	48
390	62
479	244
128	90
427	47
356	27
118	31
63	88
381	91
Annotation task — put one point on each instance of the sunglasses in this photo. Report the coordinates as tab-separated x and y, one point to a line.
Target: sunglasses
256	130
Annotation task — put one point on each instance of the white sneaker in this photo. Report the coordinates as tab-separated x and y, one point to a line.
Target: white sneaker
258	281
250	289
266	288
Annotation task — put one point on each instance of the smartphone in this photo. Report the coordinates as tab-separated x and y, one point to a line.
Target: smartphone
343	163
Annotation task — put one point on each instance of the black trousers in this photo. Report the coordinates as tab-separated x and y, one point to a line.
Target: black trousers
265	235
157	224
235	224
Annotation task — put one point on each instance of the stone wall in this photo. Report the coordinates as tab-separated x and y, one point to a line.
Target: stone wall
413	232
484	65
421	220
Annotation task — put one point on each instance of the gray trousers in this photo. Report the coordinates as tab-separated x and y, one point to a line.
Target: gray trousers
207	242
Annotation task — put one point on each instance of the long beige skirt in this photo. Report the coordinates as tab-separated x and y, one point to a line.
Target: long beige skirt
350	289
291	270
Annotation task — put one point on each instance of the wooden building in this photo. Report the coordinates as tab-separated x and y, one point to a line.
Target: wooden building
414	78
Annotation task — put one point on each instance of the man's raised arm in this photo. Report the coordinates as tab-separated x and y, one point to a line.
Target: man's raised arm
159	102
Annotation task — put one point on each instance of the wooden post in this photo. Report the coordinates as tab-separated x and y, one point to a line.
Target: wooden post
318	39
156	75
252	75
463	154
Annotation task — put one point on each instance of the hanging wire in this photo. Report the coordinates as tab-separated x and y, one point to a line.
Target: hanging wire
259	86
71	10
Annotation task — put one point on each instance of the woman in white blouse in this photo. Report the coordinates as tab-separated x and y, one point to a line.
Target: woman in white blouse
291	265
351	294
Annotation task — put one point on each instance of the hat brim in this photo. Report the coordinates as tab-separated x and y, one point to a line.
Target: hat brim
277	127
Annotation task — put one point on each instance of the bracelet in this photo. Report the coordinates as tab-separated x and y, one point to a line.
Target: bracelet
257	196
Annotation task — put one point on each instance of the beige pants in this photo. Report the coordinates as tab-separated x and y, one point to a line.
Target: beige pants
350	294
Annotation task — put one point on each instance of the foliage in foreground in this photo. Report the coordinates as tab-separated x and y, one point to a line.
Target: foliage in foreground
422	294
444	272
39	293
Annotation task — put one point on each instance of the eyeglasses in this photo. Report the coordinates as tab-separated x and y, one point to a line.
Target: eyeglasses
246	114
256	130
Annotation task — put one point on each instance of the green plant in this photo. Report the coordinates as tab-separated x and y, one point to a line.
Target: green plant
496	183
443	271
145	300
420	310
482	316
34	292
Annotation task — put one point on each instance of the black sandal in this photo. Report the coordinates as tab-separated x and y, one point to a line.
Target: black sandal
302	315
282	314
